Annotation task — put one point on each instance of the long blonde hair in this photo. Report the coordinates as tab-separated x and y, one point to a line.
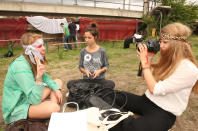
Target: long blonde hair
28	39
178	50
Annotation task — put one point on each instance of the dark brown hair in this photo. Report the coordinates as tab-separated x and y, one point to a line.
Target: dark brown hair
93	29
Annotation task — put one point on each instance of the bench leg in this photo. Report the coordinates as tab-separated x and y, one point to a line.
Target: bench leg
113	44
46	44
58	48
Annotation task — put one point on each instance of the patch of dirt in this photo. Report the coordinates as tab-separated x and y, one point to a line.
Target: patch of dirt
127	81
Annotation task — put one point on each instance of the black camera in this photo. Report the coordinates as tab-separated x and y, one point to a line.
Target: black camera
152	45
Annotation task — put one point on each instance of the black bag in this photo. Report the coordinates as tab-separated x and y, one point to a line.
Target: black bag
80	93
94	95
8	54
127	42
28	125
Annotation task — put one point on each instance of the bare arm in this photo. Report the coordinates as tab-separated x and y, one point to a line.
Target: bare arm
150	80
83	70
104	69
148	76
64	33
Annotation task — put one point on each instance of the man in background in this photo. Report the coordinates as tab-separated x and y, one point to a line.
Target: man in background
66	35
72	30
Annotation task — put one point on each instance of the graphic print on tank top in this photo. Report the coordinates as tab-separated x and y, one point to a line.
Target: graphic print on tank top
92	62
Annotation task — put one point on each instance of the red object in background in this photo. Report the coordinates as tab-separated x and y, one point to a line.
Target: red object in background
11	29
111	30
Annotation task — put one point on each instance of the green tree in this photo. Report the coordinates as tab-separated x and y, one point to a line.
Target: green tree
186	14
180	12
151	23
168	2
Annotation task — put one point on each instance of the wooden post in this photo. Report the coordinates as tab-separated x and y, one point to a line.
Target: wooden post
94	3
146	7
76	2
46	45
136	31
129	4
123	4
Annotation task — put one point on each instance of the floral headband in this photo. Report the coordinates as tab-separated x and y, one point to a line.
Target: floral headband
170	37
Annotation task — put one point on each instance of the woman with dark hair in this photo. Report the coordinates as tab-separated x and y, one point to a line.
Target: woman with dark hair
169	83
93	61
27	85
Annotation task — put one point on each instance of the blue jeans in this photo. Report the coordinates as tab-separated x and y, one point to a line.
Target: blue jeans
66	40
72	38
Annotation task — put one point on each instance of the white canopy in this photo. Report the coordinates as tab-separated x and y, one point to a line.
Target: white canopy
51	26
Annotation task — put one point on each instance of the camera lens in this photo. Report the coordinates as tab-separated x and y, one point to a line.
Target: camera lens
152	45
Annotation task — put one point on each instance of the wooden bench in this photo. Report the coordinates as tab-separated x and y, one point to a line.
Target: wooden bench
73	43
46	42
11	43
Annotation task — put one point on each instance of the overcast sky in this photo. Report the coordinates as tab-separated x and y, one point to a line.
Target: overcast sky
196	1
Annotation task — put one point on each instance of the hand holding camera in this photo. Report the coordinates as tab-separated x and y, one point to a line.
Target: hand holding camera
143	54
146	51
152	45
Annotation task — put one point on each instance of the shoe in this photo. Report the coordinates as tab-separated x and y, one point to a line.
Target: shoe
67	95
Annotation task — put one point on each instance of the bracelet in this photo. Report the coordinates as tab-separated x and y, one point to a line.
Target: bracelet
42	84
145	68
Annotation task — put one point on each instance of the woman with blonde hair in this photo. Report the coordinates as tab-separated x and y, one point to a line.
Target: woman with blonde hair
27	85
169	83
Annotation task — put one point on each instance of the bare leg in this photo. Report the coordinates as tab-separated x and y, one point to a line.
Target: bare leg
45	108
52	94
48	92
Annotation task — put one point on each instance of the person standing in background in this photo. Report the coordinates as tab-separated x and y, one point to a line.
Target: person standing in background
72	30
66	35
77	31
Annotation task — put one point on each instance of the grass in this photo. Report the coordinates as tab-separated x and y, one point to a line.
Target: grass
115	53
122	62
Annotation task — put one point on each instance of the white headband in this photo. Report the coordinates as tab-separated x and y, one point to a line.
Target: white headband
38	42
30	51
